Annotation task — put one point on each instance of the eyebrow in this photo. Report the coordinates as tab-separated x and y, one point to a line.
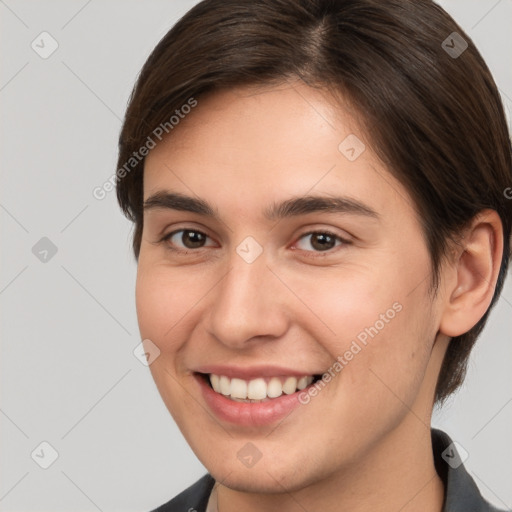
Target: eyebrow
289	208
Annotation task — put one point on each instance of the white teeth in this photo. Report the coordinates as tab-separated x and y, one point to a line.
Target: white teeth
274	388
302	383
225	386
290	385
215	381
257	389
238	388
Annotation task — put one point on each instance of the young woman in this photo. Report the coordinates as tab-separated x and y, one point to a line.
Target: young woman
322	225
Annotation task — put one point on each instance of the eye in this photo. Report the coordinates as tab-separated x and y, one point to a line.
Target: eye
183	239
320	241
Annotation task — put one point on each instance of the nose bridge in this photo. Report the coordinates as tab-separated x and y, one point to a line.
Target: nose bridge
245	302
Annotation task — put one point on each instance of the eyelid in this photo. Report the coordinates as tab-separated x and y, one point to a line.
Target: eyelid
193	230
166	238
344	241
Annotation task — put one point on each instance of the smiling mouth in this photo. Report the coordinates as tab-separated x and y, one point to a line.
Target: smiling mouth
262	389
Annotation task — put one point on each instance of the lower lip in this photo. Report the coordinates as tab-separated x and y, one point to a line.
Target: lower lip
248	414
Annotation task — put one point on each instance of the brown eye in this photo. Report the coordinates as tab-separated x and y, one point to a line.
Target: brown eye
193	239
322	241
186	239
319	241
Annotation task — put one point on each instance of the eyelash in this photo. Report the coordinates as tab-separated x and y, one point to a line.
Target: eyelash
314	254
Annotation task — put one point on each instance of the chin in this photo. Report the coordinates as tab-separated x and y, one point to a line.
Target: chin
267	476
266	480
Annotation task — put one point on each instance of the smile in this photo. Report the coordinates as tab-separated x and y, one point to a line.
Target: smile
261	389
251	398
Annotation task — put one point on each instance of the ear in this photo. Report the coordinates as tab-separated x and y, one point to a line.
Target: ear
473	275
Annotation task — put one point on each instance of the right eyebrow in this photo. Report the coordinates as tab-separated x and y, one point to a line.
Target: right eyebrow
176	201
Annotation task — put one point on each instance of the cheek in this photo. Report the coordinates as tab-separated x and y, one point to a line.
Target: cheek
392	357
165	306
354	303
378	330
164	301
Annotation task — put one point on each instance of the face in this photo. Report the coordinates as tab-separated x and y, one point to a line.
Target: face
277	249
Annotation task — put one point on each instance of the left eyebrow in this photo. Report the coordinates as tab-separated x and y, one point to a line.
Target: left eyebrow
290	208
313	204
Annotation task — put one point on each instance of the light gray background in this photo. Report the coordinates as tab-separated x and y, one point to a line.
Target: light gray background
68	374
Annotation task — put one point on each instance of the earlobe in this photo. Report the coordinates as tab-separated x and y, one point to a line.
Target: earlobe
475	274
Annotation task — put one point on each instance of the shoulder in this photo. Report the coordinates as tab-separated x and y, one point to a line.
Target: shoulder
461	492
192	499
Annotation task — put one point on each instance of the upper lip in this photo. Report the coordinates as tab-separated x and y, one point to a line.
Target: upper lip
252	372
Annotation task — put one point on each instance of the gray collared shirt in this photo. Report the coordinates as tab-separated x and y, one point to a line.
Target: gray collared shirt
461	491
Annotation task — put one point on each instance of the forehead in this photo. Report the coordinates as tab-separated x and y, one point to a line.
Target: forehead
252	146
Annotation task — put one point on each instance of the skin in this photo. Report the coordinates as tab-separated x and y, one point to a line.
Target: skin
364	440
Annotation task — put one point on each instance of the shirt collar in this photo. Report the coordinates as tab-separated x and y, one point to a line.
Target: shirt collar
461	491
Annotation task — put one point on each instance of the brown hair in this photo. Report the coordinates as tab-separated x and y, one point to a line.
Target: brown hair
435	118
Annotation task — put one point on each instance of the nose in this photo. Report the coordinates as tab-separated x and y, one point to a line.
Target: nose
248	304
